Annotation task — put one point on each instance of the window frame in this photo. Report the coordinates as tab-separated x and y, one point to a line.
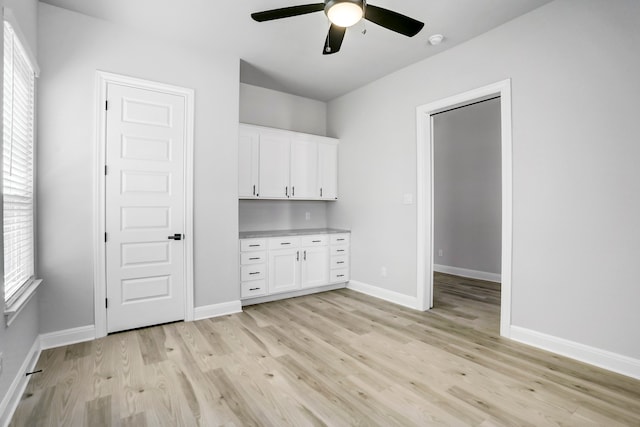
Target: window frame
23	293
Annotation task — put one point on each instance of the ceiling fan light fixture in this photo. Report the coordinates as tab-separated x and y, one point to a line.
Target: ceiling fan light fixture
344	13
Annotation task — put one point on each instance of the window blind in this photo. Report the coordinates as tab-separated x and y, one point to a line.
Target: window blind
17	163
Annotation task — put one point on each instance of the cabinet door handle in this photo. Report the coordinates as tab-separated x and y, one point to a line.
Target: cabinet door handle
254	190
320	192
286	191
305	255
293	191
298	256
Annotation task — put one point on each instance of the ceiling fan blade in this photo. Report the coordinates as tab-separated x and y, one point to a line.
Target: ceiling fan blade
287	12
334	40
393	21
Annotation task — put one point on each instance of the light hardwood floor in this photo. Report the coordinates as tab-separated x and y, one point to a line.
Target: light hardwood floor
337	358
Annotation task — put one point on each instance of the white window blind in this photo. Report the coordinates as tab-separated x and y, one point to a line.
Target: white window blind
17	164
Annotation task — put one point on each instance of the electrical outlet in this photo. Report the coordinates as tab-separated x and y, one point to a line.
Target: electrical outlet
307	216
383	271
440	252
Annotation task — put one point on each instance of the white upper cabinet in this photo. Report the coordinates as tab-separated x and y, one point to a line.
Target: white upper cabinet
274	167
280	164
248	158
328	171
304	169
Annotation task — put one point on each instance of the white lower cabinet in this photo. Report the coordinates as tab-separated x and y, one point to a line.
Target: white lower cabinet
284	270
292	263
339	262
253	268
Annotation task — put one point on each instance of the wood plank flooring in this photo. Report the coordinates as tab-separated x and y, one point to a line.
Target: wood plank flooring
338	358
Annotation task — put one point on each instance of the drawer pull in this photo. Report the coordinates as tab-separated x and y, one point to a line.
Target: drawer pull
253	259
316	241
340	262
340	275
286	243
340	250
254	246
254	273
339	240
254	289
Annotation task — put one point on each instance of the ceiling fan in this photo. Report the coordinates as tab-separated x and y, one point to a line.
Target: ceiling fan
344	14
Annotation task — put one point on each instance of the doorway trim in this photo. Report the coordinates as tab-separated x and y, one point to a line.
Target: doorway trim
100	274
425	191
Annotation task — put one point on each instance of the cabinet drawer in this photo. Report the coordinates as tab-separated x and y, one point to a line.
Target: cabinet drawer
339	250
339	275
253	288
253	258
340	261
252	272
319	240
340	239
284	242
253	245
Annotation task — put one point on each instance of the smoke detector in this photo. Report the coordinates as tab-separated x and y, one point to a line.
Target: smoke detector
435	39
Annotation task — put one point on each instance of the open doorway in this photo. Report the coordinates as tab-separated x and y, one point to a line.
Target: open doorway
467	213
425	193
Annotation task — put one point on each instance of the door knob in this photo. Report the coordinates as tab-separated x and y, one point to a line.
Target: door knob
175	237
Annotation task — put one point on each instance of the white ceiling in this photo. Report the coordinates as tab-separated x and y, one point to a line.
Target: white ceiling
286	54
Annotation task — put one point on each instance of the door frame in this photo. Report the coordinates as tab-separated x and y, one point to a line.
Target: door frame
100	274
425	193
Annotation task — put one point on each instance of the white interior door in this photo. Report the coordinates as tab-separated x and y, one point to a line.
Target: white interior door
144	207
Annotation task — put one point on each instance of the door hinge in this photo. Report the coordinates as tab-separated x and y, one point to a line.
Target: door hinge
106	105
105	237
106	303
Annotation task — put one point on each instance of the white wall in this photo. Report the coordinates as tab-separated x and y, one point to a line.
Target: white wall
73	47
17	339
574	66
467	187
281	214
266	107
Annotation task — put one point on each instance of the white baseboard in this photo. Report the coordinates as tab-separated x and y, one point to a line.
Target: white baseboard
594	356
385	294
465	272
67	337
18	385
216	310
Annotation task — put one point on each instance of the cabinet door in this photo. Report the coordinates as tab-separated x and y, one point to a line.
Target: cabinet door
274	167
328	171
315	266
248	158
304	169
284	270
